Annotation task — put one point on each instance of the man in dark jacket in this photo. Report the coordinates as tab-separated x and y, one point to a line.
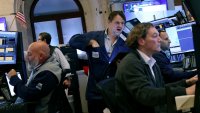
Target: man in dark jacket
139	84
101	47
45	77
163	62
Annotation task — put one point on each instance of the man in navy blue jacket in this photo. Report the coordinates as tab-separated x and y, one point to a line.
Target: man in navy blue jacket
101	47
44	79
163	61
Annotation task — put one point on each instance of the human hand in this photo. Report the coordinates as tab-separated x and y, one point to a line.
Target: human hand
192	80
67	83
191	90
93	43
11	73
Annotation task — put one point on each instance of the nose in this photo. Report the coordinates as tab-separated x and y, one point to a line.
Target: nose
169	41
121	24
26	58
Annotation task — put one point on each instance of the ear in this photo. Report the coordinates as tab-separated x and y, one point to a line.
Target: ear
141	41
41	56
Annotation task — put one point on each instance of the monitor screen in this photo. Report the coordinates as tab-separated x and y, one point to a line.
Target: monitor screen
3	26
163	23
131	23
181	38
141	5
8	44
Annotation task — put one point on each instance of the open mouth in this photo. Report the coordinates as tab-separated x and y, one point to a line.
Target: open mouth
119	29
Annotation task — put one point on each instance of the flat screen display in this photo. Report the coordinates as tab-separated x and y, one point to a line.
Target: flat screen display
142	5
131	23
8	45
181	38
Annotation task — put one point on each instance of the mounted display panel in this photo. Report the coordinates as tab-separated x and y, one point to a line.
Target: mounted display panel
181	38
8	45
12	53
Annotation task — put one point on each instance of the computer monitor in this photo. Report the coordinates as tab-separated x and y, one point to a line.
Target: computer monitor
8	47
181	38
12	53
3	25
144	5
131	23
163	23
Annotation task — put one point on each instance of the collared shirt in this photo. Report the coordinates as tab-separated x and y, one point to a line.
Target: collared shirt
148	60
32	73
108	44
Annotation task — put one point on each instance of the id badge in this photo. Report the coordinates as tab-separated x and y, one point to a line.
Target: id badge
95	54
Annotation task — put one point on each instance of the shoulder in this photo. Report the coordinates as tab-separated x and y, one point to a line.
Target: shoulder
57	50
158	55
132	59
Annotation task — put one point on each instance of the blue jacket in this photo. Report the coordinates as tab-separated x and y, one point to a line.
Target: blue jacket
98	58
167	71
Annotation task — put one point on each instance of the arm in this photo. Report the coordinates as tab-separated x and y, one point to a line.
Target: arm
42	85
167	71
61	60
82	41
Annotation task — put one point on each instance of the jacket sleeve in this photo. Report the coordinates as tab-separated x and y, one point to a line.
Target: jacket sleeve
61	59
81	41
42	85
167	71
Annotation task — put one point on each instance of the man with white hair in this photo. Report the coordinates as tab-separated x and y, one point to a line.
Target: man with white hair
44	79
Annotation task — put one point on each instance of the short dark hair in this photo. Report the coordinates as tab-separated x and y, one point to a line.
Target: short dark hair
115	13
45	36
161	30
139	31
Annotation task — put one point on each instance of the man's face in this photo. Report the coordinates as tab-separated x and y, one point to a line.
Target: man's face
165	41
151	43
39	38
116	25
32	58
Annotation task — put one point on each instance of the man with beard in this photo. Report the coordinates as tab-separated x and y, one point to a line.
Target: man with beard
163	61
101	47
45	77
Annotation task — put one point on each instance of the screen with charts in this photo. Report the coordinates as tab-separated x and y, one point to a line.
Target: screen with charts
181	38
12	55
8	44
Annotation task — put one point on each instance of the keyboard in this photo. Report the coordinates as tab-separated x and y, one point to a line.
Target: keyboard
3	103
13	108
